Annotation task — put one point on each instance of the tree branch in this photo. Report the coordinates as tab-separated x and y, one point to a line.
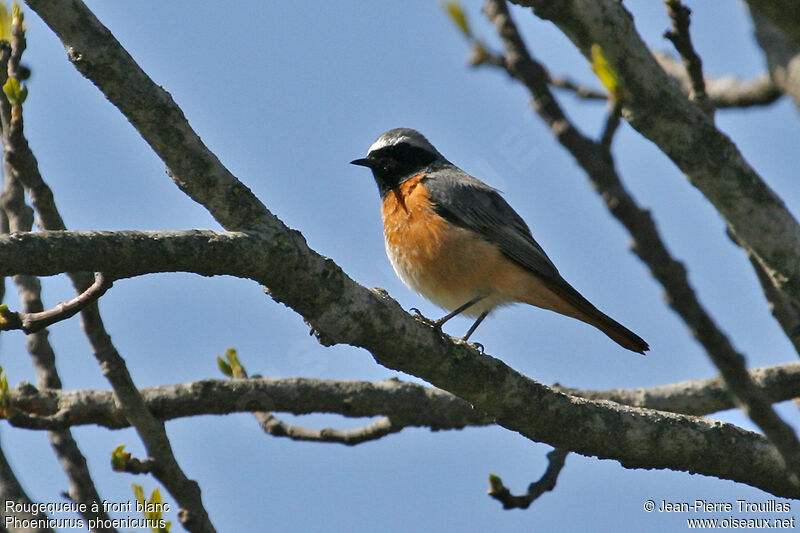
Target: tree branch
31	322
725	92
681	38
581	91
351	437
407	404
18	171
701	396
555	462
134	253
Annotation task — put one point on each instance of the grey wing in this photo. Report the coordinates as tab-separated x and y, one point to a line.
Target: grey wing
469	203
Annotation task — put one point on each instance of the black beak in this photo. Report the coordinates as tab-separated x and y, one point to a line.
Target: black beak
365	162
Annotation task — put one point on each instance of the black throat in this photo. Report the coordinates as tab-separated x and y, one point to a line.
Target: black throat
393	165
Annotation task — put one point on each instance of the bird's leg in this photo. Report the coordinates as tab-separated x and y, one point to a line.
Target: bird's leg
439	323
475	326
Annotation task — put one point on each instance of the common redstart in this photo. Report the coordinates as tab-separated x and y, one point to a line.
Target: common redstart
457	242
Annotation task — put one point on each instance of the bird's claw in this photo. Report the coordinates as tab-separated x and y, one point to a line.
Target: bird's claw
425	320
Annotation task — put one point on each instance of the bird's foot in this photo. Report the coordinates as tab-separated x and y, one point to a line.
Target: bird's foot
425	320
478	346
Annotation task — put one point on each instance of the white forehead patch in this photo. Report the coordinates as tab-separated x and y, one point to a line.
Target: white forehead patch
402	135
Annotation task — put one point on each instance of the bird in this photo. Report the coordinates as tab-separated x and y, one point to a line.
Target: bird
456	241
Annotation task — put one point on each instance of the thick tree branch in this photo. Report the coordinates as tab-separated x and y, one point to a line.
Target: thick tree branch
407	404
341	311
134	253
241	254
701	396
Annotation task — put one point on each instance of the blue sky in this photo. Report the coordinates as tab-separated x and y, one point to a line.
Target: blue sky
286	94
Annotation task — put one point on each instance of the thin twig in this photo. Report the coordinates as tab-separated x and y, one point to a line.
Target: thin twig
132	465
587	93
555	462
680	37
33	322
351	437
612	123
276	427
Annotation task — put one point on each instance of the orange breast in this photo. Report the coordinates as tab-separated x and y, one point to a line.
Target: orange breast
447	264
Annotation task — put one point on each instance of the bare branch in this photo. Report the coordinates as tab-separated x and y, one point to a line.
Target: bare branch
555	462
33	322
612	123
783	309
581	91
680	37
132	253
132	465
725	92
702	396
351	437
406	404
185	491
